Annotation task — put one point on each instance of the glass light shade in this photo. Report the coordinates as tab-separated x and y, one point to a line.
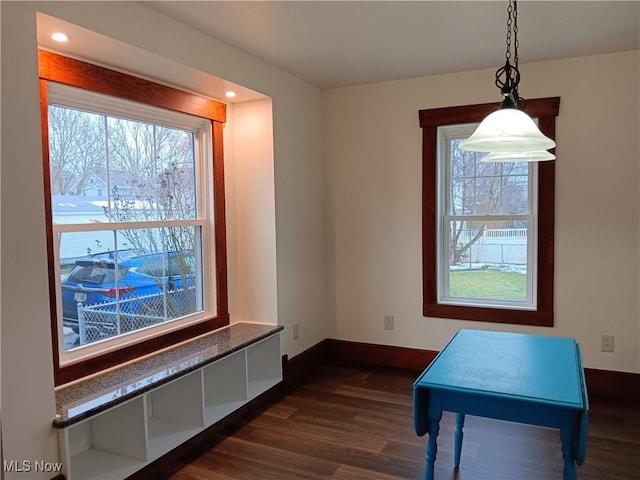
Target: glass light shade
537	156
507	130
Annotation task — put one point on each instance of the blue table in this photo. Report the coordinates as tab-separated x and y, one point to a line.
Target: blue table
530	379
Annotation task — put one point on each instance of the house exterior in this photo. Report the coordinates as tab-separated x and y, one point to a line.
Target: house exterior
323	229
94	186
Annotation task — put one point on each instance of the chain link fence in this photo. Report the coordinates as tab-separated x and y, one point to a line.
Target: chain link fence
108	319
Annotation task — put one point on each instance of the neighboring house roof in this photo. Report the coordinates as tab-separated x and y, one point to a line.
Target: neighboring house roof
76	204
94	181
88	205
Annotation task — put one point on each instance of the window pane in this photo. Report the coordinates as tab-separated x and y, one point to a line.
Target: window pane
76	146
486	188
515	194
150	172
488	260
117	281
463	192
111	169
488	195
463	163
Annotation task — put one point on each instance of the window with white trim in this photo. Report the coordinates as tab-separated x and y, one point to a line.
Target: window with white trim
487	215
129	257
476	218
134	182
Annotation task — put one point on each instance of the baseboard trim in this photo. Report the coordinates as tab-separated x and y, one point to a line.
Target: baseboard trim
296	371
356	353
601	384
608	384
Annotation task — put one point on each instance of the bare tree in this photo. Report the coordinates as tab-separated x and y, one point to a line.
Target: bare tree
76	147
165	190
481	188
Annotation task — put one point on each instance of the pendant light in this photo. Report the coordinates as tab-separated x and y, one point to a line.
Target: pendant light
537	156
509	130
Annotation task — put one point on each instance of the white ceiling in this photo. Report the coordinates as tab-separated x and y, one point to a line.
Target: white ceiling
333	44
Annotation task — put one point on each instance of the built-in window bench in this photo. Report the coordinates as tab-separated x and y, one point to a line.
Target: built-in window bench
114	423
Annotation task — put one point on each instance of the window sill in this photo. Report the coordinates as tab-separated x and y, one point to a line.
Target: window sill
538	318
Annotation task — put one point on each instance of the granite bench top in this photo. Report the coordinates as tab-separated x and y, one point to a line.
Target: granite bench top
82	399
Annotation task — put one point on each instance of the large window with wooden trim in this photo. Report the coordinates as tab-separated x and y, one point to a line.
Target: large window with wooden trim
488	227
135	205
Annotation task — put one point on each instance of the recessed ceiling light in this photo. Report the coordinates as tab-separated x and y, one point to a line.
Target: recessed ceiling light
230	94
60	37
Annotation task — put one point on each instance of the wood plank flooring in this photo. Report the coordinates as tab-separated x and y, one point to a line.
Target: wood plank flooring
356	424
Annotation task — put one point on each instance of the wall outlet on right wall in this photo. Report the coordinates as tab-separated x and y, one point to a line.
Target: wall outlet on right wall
606	343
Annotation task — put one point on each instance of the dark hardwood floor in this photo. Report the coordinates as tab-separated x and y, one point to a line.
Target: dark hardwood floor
356	424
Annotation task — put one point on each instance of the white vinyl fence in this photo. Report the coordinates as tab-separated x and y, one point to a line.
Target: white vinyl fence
497	245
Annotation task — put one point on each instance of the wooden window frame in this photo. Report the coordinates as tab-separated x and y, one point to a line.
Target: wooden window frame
546	111
76	73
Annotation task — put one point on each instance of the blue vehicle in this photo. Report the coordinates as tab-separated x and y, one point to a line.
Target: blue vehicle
95	279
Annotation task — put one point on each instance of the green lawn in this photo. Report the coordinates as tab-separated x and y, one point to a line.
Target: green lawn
488	284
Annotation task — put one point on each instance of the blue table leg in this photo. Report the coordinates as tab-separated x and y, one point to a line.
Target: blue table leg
432	446
458	439
568	454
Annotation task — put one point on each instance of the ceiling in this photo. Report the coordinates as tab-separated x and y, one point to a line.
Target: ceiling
335	44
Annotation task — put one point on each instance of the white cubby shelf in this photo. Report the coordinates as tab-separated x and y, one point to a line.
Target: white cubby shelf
111	436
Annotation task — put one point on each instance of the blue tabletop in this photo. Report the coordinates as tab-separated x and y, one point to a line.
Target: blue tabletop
511	365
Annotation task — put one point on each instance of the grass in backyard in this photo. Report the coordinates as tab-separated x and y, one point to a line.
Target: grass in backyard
488	284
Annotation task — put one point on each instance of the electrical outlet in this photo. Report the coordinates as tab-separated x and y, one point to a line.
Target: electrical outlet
606	343
388	322
296	331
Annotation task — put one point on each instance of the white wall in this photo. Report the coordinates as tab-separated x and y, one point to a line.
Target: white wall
373	149
249	176
28	404
293	230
